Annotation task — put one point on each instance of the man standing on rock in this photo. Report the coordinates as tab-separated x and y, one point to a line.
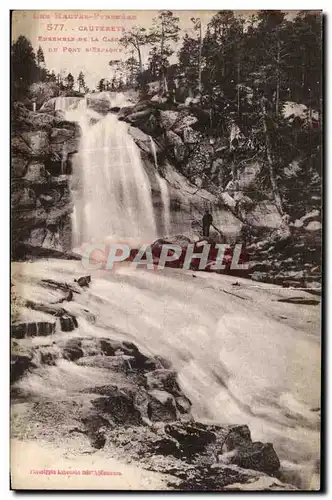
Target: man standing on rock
207	221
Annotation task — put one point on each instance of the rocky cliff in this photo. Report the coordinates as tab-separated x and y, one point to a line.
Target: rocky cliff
42	149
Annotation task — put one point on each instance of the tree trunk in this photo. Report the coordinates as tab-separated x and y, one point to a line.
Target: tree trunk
162	76
139	59
200	58
238	88
272	175
278	79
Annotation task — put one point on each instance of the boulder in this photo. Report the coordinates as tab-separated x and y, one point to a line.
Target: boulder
68	323
176	143
28	219
63	142
184	124
163	380
48	106
161	406
119	405
61	135
169	118
142	140
193	437
48	355
248	175
52	239
83	281
257	456
29	120
24	198
37	142
50	198
183	404
19	166
36	174
33	329
72	349
239	449
137	117
59	181
21	361
37	236
20	147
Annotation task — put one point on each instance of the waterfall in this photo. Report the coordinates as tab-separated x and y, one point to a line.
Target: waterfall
164	192
166	201
111	190
63	103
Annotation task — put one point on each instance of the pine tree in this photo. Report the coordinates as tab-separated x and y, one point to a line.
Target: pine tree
40	56
70	81
165	30
24	69
101	85
81	81
136	38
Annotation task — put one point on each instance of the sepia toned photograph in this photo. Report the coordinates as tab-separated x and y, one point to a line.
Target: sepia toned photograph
166	250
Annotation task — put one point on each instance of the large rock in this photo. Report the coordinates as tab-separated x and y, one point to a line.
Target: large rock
161	406
25	119
21	361
177	145
48	106
37	236
19	166
164	380
257	456
169	118
119	405
192	437
61	135
239	449
24	198
36	173
248	176
28	219
33	329
142	140
20	147
38	143
63	142
72	350
139	116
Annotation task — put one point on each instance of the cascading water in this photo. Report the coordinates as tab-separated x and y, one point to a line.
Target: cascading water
111	190
164	192
63	103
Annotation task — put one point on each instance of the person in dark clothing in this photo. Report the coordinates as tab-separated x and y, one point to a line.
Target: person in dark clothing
207	221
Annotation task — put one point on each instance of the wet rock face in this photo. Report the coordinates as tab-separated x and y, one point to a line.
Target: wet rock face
33	329
42	145
21	361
